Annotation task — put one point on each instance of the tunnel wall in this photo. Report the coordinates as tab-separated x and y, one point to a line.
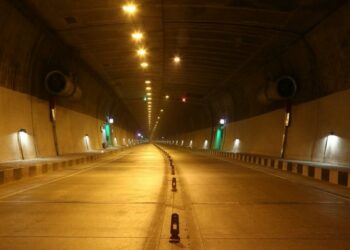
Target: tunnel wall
29	50
318	61
23	111
311	124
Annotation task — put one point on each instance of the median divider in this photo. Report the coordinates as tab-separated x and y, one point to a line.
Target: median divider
175	218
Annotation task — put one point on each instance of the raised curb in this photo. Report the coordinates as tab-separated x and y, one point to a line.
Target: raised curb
331	174
10	174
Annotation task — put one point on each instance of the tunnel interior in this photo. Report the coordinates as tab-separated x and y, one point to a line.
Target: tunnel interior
253	64
162	124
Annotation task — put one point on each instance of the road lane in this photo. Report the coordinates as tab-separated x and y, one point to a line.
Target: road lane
238	208
115	205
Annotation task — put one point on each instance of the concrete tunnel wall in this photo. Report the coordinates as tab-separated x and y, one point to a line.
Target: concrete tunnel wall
318	60
28	51
311	123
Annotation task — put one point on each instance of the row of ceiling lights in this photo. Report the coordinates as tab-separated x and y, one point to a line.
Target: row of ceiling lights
138	36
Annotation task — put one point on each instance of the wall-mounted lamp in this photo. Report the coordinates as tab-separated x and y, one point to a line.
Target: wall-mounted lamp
87	141
330	139
205	144
21	138
236	143
222	121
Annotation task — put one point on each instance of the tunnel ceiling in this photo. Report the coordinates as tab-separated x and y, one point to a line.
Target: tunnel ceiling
216	41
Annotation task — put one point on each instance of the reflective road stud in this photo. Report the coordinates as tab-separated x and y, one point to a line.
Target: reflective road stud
173	184
174	229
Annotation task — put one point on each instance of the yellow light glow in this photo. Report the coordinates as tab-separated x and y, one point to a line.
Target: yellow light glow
130	8
149	98
148	82
167	97
148	88
144	65
161	110
177	59
149	94
141	52
137	36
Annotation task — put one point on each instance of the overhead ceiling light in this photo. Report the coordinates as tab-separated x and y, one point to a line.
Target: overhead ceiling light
167	97
130	8
177	59
137	36
149	98
144	65
161	110
148	88
149	94
141	52
148	82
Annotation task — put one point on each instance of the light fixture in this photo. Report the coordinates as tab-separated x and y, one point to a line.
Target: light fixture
177	59
145	98
148	88
332	141
144	65
222	121
137	36
130	8
87	141
110	120
236	143
161	110
184	99
167	97
21	137
141	52
148	82
149	94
